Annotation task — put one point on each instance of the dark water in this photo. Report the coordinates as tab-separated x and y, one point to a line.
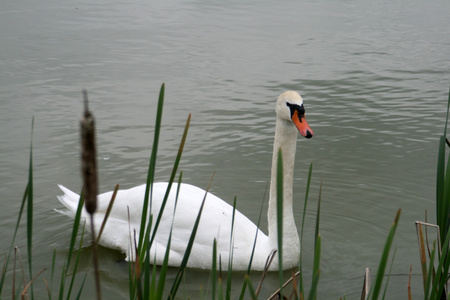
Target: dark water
374	77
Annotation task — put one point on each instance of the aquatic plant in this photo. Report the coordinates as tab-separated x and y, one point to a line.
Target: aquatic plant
443	183
434	277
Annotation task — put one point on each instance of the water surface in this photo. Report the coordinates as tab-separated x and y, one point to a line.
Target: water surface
374	77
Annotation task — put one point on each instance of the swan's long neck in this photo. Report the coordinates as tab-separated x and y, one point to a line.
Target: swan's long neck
286	140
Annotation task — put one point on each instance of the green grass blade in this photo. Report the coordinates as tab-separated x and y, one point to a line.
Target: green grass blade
445	205
30	210
214	270
440	176
146	263
181	270
442	183
280	217
384	257
308	185
145	228
151	169
75	227
27	198
172	178
52	274
443	267
63	281
244	284
81	287
166	196
146	243
429	279
389	275
164	268
11	247
220	283
448	109
75	267
165	264
318	214
316	268
317	251
138	284
230	257
152	290
250	287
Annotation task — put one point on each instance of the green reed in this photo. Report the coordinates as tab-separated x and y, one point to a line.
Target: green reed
443	182
280	216
435	279
376	288
147	288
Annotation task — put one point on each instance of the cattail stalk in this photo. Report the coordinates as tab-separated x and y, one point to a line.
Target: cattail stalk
89	174
88	158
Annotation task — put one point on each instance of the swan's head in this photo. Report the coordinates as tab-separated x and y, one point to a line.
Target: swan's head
290	108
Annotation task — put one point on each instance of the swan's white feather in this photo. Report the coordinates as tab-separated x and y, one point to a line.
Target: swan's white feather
215	223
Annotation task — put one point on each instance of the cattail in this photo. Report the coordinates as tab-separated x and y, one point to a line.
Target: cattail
89	174
88	158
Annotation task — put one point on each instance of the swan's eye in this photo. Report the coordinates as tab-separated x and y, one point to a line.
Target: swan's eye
296	107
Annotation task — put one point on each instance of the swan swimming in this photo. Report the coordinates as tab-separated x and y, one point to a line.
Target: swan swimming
215	222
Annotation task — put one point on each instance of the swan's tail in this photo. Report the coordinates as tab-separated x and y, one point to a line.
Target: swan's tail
69	200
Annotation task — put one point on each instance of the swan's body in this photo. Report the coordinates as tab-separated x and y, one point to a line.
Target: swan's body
216	219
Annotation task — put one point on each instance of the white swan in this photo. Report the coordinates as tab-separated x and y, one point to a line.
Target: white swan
217	214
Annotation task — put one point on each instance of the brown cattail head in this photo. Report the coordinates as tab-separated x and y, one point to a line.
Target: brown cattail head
88	158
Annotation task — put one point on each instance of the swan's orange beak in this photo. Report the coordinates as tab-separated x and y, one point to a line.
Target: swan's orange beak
302	125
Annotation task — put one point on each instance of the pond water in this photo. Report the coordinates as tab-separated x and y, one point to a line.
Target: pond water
374	77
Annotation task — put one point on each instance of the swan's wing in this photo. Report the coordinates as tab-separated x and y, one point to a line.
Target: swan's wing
215	223
123	224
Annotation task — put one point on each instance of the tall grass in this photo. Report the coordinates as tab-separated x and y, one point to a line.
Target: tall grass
141	283
376	289
435	278
280	217
443	183
27	200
